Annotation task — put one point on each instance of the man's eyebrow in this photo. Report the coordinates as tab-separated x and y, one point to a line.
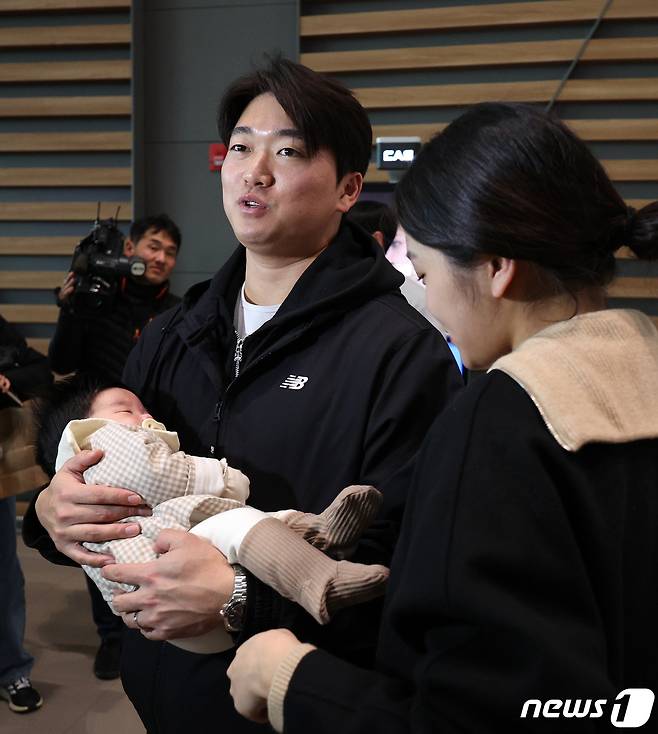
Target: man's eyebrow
286	132
290	132
167	246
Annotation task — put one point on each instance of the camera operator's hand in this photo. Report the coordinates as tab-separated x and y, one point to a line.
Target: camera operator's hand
66	289
5	384
74	512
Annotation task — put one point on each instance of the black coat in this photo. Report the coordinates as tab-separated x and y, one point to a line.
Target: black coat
378	373
24	367
102	343
522	571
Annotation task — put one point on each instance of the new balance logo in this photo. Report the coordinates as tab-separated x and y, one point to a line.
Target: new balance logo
294	382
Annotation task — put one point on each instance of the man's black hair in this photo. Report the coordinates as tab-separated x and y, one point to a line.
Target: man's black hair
374	216
158	223
68	399
324	111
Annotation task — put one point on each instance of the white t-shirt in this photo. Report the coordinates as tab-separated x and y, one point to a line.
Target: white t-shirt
250	317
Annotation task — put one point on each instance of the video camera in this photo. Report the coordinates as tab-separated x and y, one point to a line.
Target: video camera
99	264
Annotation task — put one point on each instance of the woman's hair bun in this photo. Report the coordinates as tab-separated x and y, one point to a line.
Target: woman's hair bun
641	233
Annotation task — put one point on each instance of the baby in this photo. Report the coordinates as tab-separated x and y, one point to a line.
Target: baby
207	497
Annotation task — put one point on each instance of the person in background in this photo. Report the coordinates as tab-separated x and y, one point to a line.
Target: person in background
524	583
23	373
379	220
100	344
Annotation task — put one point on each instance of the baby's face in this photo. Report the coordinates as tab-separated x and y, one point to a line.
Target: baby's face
119	405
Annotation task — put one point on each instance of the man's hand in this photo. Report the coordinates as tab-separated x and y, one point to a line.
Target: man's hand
66	289
73	512
180	593
5	384
253	669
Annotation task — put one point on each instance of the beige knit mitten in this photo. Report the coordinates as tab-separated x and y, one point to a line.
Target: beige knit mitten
337	529
282	559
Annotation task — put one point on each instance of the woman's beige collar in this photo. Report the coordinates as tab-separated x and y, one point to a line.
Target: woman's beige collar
593	378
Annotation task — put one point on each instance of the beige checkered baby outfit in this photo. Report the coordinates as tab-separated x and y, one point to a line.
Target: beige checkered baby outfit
182	490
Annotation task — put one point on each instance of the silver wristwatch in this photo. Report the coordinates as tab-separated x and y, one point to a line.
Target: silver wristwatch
233	611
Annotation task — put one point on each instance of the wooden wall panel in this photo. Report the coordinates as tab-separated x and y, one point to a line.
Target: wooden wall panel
37	245
482	55
30	279
57	139
64	142
95	35
452	95
590	130
54	6
65	71
64	211
29	314
498	15
49	107
64	177
41	345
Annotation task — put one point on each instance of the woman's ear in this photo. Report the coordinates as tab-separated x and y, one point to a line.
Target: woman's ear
501	272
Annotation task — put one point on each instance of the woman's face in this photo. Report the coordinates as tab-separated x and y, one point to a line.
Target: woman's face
461	301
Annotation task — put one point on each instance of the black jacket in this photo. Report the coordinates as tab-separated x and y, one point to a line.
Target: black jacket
102	343
26	369
377	375
522	571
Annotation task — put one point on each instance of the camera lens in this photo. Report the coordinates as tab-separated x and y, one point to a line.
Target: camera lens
137	268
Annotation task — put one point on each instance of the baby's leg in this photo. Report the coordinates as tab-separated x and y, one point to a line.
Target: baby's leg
337	529
280	558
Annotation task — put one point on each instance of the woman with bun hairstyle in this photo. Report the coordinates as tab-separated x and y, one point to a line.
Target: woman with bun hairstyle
523	593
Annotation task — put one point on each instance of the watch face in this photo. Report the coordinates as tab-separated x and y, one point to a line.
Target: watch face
233	613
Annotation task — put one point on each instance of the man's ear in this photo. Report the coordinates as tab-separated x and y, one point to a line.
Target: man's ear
501	272
349	189
128	248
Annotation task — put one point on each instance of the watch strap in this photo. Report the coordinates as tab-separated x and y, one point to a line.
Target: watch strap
233	611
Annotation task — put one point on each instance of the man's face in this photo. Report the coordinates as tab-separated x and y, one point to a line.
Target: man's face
158	251
279	200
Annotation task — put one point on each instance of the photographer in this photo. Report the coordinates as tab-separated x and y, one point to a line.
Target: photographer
99	341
